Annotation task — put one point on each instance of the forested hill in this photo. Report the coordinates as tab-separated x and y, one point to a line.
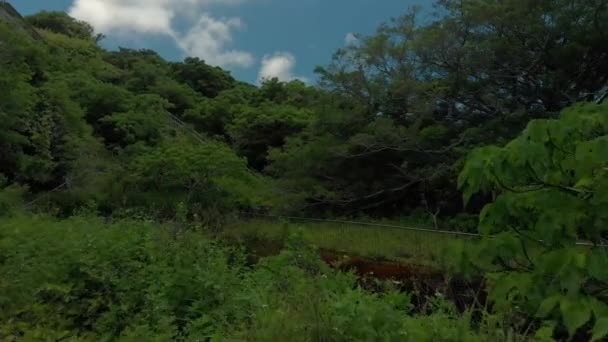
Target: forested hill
384	132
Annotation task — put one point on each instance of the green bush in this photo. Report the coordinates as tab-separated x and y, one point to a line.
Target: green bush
11	199
463	222
81	279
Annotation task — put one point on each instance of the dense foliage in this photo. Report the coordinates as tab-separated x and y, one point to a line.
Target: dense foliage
413	98
382	134
132	281
552	193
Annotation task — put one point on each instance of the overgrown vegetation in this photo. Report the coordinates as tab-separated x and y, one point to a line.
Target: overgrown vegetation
82	279
407	246
402	124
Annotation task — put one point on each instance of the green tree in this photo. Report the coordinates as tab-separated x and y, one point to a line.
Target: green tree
62	23
16	97
255	130
213	115
43	131
497	58
145	121
206	80
551	184
418	94
201	176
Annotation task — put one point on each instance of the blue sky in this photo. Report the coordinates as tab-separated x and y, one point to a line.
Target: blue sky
251	38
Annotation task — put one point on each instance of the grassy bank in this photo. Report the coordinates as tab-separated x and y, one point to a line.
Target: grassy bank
420	247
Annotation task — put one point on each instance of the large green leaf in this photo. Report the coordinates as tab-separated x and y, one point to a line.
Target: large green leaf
600	329
551	183
575	312
547	306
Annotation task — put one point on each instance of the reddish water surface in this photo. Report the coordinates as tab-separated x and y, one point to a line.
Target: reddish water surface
422	281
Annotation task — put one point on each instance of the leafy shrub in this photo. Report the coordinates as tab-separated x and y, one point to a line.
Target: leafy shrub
62	23
552	185
207	177
81	279
11	198
462	222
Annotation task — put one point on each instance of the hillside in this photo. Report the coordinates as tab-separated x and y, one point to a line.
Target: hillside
490	121
383	139
9	14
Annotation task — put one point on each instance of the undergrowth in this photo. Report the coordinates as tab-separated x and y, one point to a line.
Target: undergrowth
83	279
413	247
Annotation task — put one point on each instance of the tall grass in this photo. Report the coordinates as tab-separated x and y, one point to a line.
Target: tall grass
418	247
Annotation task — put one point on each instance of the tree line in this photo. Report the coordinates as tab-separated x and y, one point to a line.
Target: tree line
384	132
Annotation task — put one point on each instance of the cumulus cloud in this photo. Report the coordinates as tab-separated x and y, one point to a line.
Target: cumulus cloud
279	65
208	38
350	39
125	16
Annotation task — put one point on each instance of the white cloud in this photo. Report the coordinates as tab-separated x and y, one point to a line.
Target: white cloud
208	38
125	16
279	65
350	39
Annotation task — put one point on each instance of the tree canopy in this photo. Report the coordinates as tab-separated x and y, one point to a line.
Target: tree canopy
383	133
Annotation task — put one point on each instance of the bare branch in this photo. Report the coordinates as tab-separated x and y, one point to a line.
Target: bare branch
370	151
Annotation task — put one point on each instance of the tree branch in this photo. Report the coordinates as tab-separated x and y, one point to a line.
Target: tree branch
370	151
